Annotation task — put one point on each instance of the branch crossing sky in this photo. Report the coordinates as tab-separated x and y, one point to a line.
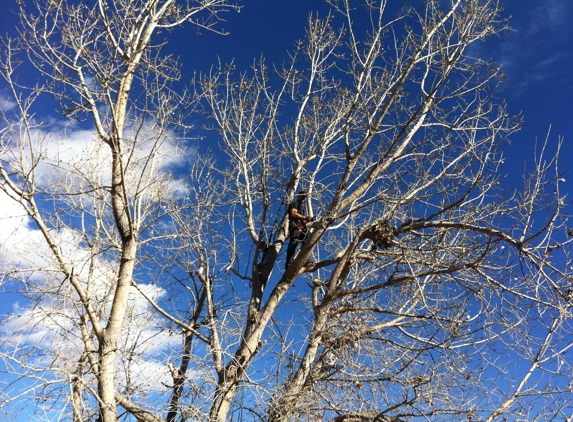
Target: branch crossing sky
537	58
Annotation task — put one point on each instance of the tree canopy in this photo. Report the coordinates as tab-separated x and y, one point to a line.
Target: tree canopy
149	270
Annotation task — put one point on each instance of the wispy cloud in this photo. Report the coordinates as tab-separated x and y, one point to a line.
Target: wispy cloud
530	54
18	239
558	11
6	103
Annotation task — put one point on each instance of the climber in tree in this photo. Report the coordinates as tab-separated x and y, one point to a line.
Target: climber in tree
297	226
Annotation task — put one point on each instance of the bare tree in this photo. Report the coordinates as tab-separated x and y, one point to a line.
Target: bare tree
100	62
425	289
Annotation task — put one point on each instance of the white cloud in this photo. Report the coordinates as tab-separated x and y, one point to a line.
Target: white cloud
71	160
87	160
49	325
6	103
18	239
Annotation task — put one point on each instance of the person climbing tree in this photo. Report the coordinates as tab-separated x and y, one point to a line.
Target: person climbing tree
297	226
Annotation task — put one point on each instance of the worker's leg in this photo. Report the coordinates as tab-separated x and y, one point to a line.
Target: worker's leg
292	245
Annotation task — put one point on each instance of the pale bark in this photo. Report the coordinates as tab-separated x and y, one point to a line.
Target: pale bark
165	297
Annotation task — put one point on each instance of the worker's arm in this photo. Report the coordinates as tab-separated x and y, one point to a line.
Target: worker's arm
294	214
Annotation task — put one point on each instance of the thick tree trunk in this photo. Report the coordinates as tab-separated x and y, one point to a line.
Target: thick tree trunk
293	392
222	403
108	345
234	372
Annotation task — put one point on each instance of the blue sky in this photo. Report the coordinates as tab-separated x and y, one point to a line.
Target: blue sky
537	57
538	60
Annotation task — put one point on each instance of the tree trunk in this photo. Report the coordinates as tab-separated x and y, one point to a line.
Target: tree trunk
108	346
